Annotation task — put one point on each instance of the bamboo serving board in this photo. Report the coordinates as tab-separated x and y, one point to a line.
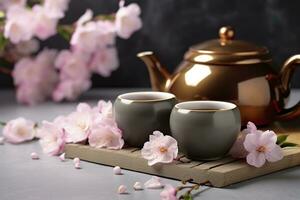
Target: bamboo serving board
219	173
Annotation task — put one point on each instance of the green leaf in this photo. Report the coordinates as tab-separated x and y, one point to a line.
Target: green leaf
281	139
288	144
65	31
3	42
187	196
2	123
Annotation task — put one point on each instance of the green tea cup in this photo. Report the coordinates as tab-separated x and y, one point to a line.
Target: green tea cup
205	130
138	114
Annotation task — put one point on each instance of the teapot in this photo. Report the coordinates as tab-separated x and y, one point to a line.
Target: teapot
229	70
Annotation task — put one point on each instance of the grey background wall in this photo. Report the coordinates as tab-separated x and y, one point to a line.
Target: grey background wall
171	26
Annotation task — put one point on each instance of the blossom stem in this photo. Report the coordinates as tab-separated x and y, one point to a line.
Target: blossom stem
5	71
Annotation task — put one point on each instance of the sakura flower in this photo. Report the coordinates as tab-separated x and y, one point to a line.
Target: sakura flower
56	8
238	150
1	140
34	156
6	4
169	193
44	25
104	61
105	108
18	25
35	78
77	165
261	147
154	183
76	160
128	20
62	157
52	138
90	35
79	124
74	76
160	149
137	186
70	89
72	66
19	130
122	189
117	170
106	135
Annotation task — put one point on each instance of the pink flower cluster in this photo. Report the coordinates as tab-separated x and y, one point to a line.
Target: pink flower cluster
257	146
35	78
86	124
24	23
92	49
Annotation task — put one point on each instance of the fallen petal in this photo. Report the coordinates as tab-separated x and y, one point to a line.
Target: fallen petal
117	170
137	186
154	183
62	157
34	156
122	189
76	160
77	165
1	140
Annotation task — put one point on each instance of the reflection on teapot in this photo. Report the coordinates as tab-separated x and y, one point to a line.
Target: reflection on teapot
229	70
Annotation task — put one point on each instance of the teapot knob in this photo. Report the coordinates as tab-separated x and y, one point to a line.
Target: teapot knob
226	33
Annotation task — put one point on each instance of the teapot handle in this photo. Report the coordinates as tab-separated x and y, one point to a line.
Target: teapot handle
286	75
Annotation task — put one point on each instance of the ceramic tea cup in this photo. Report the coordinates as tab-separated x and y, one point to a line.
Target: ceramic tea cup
205	130
138	114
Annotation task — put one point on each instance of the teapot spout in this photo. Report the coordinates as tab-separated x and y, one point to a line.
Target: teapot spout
159	76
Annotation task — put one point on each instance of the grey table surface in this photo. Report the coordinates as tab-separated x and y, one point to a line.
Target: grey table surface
49	178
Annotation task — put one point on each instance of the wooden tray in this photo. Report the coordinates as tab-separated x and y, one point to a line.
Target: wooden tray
219	173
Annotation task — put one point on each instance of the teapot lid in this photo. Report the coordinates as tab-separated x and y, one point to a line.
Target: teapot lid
226	50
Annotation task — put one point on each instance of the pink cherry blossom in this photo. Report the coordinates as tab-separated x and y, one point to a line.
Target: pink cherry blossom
74	75
261	147
18	25
72	66
137	186
6	4
160	149
238	150
122	189
106	135
44	25
104	61
90	35
169	193
19	130
117	170
78	125
56	8
52	138
77	165
128	20
62	157
35	78
34	156
70	89
154	183
104	108
2	140
76	160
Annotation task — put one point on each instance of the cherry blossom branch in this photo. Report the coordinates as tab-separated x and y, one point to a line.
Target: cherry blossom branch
4	70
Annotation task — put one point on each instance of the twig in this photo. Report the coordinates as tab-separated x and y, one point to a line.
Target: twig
5	71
